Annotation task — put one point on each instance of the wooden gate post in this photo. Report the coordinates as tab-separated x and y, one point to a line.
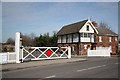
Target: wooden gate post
17	46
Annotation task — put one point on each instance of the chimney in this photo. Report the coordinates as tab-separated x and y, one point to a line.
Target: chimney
94	23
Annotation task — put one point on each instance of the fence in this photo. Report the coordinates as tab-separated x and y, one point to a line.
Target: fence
9	57
33	53
39	53
99	52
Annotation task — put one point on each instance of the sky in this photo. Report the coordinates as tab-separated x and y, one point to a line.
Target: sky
43	17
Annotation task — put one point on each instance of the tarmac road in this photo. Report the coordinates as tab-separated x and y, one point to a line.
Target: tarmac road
94	67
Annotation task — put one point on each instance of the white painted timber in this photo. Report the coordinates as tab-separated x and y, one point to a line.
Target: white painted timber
17	46
87	39
104	53
55	53
7	57
84	28
3	58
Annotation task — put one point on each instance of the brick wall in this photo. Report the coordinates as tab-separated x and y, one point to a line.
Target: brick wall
79	48
106	43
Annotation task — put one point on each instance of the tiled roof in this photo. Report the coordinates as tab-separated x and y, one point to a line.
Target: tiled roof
75	27
105	31
72	28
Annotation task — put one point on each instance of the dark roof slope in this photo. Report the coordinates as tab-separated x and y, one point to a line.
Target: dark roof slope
105	31
75	27
72	28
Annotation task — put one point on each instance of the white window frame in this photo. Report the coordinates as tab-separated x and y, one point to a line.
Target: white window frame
69	38
110	39
59	39
63	39
81	34
100	38
85	46
73	48
116	39
75	37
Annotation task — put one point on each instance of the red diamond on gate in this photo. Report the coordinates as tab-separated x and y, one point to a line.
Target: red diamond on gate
48	52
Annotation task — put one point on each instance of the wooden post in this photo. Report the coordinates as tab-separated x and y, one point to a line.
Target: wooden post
69	52
17	46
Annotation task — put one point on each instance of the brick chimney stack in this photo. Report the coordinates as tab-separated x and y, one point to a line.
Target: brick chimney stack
94	23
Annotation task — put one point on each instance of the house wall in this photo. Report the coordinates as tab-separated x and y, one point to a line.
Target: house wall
107	43
74	47
81	47
77	48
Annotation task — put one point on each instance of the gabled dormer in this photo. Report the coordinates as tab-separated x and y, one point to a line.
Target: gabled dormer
87	32
88	27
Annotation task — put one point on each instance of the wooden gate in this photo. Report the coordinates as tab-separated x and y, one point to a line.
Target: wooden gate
39	53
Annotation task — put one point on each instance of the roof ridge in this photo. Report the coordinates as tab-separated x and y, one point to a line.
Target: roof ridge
76	22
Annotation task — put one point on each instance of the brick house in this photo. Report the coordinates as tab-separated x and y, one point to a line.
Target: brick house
87	34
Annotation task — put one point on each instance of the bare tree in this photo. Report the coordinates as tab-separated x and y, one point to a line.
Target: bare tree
105	25
28	39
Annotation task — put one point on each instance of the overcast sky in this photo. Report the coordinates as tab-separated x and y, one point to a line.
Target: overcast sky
43	17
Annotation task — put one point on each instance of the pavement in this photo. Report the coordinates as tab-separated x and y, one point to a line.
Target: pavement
30	64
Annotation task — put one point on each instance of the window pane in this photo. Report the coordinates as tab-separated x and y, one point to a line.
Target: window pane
87	27
89	35
69	38
85	34
81	34
92	35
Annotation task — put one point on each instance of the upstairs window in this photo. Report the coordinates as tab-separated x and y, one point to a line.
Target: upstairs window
64	39
69	38
75	35
81	34
85	34
87	29
59	39
89	35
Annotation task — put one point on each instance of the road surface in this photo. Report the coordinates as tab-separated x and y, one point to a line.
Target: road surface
102	67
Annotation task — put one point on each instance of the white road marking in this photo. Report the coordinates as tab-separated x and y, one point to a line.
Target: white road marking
51	76
91	68
81	70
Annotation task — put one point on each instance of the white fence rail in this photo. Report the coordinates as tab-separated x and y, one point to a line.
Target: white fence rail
3	58
99	52
11	57
8	57
39	53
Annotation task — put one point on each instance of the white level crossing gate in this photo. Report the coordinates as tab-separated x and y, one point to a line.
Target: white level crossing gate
33	53
39	53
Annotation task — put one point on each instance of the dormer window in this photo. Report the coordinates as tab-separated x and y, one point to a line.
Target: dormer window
87	28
